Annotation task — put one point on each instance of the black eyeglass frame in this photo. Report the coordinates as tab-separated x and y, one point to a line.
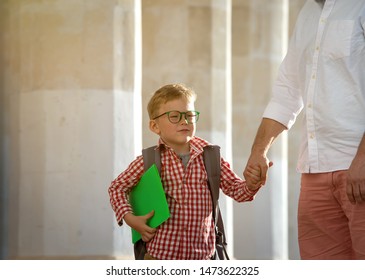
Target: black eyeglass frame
196	116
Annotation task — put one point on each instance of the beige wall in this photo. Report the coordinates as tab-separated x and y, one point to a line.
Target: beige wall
57	93
74	84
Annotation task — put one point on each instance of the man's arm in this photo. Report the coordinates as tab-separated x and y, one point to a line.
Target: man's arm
267	132
356	176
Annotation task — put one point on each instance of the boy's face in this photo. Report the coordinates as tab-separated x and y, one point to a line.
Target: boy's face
175	135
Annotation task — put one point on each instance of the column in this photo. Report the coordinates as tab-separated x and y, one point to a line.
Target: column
127	102
260	33
221	100
72	89
189	42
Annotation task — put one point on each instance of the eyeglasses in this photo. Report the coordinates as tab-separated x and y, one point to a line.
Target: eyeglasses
175	116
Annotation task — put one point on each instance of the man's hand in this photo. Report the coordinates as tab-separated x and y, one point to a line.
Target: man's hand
356	180
267	132
256	171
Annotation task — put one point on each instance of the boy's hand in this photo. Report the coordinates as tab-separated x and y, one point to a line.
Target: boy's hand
139	223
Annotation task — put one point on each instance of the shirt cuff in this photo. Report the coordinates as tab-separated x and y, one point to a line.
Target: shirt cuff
123	212
249	191
280	113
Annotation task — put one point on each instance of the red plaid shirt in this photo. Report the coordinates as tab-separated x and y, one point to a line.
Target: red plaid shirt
189	232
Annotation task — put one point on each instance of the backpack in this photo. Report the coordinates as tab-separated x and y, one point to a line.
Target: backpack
211	156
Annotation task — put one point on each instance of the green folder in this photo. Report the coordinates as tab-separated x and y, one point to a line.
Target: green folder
149	195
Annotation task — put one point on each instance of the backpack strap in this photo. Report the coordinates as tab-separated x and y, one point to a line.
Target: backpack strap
151	156
212	162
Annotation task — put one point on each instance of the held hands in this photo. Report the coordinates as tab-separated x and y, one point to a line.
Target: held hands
267	132
256	171
252	177
139	223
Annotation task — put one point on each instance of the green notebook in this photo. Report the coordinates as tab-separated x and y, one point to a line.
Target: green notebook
149	195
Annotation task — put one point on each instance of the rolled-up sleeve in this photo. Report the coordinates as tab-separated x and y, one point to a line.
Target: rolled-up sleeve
286	102
122	185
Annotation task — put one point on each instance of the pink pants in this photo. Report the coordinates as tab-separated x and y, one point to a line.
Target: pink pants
329	226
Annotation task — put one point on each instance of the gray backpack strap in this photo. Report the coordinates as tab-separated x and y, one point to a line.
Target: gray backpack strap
212	162
151	156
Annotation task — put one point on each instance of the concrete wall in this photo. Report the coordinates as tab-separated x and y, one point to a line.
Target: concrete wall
59	95
74	83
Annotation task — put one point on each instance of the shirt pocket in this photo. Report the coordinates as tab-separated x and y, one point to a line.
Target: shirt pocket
338	38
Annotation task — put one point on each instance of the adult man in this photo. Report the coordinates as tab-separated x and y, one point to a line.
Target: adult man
323	73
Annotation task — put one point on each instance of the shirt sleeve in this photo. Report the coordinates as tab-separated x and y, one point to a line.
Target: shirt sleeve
122	185
233	186
286	101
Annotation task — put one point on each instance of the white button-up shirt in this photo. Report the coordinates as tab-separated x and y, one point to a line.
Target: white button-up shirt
324	74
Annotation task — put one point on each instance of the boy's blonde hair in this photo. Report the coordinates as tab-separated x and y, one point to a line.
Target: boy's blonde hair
168	93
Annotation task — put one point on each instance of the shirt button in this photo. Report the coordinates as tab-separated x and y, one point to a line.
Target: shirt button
311	136
313	77
309	105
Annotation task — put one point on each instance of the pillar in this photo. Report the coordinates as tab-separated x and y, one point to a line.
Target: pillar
70	71
221	110
188	41
259	42
127	138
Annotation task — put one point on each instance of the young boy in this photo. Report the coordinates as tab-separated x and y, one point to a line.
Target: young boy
189	232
